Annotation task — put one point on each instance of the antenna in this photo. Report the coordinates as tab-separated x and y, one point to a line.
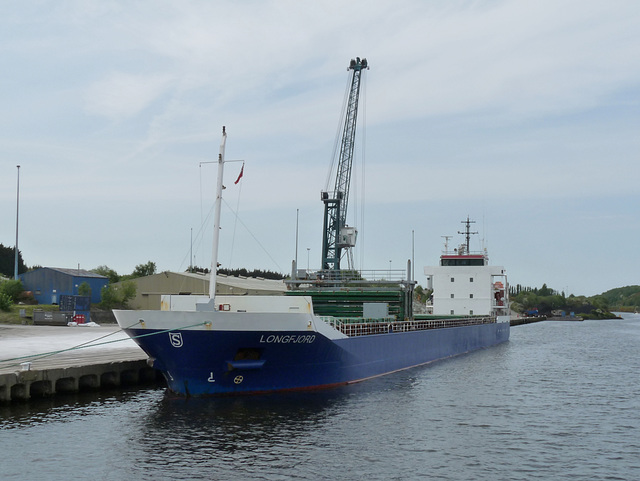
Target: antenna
446	242
467	231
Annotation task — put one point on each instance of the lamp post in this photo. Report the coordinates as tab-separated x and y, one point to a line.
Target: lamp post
297	217
308	249
15	269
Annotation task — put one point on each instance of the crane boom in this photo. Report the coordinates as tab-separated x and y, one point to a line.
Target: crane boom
337	235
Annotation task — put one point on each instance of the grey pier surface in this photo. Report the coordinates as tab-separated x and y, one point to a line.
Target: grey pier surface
38	361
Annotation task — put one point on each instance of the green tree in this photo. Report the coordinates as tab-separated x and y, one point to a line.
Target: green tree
107	272
109	296
254	273
558	302
84	289
143	270
8	261
529	300
623	298
600	302
12	289
117	296
202	270
5	302
128	292
420	294
544	291
548	300
579	304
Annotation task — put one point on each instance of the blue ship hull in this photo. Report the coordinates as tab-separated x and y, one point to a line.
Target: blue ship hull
205	363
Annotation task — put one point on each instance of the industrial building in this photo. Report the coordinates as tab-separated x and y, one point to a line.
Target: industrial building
149	289
49	283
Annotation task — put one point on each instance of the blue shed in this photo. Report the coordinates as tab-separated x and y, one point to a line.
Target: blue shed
49	283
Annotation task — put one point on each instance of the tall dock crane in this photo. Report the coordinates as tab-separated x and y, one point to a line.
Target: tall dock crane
338	237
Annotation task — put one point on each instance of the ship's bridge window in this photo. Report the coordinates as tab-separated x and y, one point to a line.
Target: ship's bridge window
462	262
470	279
452	279
470	296
451	296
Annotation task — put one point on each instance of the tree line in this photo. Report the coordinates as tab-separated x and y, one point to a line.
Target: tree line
148	269
8	261
546	300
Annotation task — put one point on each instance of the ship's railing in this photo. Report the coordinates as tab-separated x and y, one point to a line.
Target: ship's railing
363	327
363	278
461	250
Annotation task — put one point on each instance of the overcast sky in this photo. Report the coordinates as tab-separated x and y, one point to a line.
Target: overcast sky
522	115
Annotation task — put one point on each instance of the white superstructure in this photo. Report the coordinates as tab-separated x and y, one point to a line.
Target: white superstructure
464	284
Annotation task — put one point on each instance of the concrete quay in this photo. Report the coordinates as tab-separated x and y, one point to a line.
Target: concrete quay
519	321
38	361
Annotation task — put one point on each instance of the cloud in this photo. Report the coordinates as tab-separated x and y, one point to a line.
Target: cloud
513	58
110	106
122	95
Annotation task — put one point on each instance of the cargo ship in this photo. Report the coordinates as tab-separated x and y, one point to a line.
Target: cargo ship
332	327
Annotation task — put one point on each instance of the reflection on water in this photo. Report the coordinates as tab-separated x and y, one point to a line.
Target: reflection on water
230	424
260	436
60	408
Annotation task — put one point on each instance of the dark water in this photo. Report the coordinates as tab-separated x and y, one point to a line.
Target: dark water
561	400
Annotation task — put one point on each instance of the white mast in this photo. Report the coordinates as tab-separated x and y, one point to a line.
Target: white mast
216	220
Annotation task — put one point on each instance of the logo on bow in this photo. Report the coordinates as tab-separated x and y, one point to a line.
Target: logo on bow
176	339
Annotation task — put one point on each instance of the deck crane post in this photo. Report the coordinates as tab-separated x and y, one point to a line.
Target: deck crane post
337	235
